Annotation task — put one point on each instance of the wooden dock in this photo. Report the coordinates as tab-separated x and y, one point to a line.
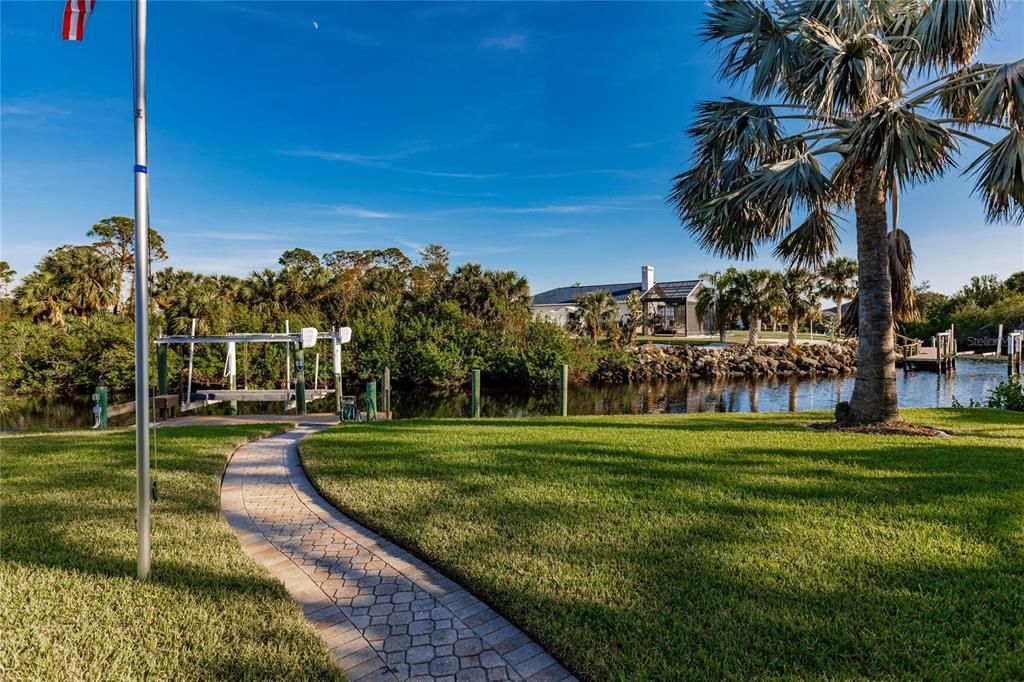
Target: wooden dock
929	359
939	357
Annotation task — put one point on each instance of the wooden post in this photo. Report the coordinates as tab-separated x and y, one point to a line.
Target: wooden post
475	397
563	392
387	393
300	380
999	341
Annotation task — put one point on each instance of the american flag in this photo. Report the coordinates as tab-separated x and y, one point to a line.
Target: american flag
76	14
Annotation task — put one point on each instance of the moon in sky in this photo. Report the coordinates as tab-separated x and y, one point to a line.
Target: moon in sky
316	25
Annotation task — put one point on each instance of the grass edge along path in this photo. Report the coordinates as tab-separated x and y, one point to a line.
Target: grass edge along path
70	606
713	546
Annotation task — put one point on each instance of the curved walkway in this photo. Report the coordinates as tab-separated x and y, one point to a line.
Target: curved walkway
384	614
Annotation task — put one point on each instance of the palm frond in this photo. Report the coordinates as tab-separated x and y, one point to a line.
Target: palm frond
1002	99
846	71
901	272
811	242
734	128
899	145
949	33
755	42
1000	178
960	90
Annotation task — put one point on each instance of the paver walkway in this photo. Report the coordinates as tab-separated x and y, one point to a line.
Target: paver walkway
384	614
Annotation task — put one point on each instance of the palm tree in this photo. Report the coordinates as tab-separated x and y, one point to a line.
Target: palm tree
596	312
69	280
508	296
886	89
802	298
718	296
758	294
838	281
42	296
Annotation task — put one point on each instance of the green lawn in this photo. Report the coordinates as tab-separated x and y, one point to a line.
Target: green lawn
70	607
714	546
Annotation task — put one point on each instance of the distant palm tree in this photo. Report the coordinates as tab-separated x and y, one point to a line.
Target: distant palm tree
838	282
69	280
886	89
718	297
41	295
508	296
758	295
596	313
802	298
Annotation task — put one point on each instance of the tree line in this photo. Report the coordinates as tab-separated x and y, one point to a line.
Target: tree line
68	325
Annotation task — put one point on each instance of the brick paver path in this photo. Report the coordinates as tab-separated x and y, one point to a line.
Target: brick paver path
384	614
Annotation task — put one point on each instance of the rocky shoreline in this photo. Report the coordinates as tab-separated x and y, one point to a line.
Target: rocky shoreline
676	362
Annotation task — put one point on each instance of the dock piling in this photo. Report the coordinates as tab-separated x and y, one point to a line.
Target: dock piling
475	398
563	391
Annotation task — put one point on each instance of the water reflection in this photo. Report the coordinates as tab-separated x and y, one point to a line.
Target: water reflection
973	379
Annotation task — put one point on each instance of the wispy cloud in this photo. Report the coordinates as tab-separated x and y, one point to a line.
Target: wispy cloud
558	209
232	236
646	144
383	161
359	212
511	41
554	232
31	109
617	172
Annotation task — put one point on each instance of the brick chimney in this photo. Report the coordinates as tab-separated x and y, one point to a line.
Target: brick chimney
646	277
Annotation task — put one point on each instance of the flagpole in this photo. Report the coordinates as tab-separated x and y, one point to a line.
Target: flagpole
141	299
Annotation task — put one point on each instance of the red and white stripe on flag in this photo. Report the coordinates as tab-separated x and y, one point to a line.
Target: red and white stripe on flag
76	14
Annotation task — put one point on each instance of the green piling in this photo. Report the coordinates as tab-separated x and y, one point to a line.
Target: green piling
101	405
161	369
475	400
300	380
371	401
563	392
161	374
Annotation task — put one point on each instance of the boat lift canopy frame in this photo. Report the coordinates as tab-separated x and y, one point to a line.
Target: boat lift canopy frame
308	337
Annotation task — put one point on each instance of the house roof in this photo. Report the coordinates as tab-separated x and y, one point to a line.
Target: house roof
568	295
671	291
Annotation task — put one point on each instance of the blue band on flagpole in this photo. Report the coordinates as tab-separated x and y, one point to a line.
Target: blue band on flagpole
141	169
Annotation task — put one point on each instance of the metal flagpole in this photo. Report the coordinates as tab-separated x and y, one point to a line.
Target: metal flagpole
141	299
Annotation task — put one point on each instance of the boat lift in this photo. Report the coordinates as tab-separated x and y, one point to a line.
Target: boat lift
294	396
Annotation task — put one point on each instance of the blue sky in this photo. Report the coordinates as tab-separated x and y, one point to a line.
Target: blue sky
537	137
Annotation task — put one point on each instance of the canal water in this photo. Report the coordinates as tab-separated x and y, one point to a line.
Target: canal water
973	379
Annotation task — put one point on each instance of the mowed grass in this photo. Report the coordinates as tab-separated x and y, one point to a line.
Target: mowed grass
714	546
70	607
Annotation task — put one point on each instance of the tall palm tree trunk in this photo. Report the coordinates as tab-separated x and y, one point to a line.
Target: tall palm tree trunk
755	327
874	389
792	323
